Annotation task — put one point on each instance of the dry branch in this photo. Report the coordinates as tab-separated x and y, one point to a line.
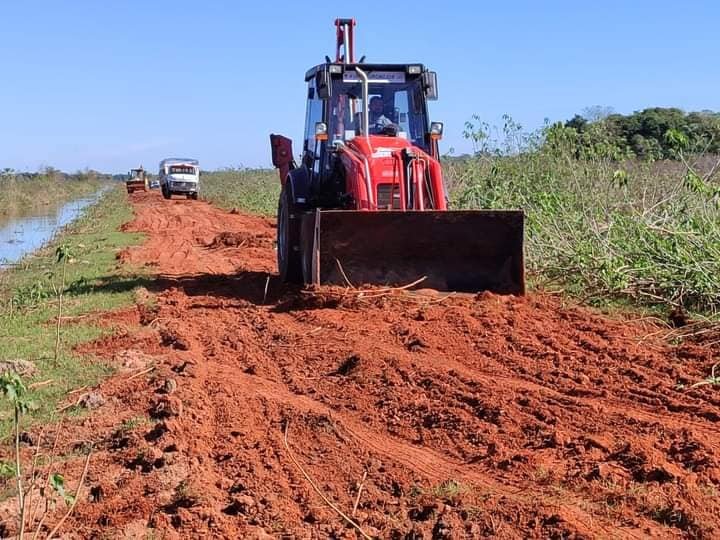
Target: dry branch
75	499
349	284
143	372
317	490
357	498
40	384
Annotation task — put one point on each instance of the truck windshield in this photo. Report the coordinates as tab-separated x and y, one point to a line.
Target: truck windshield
181	169
399	103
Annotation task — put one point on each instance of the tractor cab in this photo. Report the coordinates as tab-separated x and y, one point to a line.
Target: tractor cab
137	180
377	116
350	100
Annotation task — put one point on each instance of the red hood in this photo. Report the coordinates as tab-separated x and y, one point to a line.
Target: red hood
381	145
382	176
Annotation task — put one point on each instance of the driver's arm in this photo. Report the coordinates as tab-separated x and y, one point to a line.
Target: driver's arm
382	121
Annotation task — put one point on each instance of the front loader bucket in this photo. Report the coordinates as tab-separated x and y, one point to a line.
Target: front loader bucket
466	251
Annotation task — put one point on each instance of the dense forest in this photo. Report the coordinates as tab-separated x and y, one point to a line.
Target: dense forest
650	134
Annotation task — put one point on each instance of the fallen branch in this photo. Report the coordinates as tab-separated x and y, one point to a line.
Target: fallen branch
77	390
34	508
156	320
267	283
712	379
40	384
317	490
143	372
18	472
393	289
357	498
68	406
27	502
75	499
349	284
438	300
369	292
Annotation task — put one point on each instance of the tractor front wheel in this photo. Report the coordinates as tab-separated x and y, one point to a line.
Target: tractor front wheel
288	238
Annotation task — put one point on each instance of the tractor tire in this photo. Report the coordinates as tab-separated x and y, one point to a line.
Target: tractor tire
288	239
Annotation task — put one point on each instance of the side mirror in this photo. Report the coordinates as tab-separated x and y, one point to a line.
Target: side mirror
321	131
436	130
429	79
322	83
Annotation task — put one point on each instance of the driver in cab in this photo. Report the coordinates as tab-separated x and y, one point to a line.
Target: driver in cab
378	120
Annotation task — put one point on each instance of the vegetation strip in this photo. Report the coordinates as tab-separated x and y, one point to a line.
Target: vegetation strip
33	340
24	192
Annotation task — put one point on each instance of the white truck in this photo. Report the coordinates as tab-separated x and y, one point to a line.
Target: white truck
179	176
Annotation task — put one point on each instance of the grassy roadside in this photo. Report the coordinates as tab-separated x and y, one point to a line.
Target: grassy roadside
20	194
29	303
253	190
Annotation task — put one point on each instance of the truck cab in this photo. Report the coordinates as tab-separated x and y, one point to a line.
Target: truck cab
179	176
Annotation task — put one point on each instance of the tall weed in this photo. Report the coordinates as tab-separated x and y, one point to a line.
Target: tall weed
601	227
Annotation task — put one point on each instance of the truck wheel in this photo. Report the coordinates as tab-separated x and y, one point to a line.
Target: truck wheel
166	192
194	196
288	239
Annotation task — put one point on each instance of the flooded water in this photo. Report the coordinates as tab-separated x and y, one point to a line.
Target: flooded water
25	234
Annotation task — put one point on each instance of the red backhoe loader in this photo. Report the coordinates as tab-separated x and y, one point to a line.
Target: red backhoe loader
367	204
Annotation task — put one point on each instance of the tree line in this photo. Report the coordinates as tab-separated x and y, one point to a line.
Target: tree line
651	134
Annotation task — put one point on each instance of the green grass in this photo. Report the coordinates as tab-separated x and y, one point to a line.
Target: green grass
252	190
28	303
448	489
134	422
20	194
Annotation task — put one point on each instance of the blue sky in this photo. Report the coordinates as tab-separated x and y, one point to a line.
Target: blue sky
110	85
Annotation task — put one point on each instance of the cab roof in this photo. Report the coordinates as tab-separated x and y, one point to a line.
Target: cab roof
365	67
179	161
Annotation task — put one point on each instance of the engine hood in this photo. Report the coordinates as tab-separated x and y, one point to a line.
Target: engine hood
380	146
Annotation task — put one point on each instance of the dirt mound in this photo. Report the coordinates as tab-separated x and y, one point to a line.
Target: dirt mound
417	416
240	239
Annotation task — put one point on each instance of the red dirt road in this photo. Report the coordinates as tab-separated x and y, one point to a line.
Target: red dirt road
460	417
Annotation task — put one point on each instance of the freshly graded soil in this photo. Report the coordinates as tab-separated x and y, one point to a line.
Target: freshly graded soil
417	415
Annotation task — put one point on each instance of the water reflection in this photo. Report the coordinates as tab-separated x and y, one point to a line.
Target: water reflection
23	235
